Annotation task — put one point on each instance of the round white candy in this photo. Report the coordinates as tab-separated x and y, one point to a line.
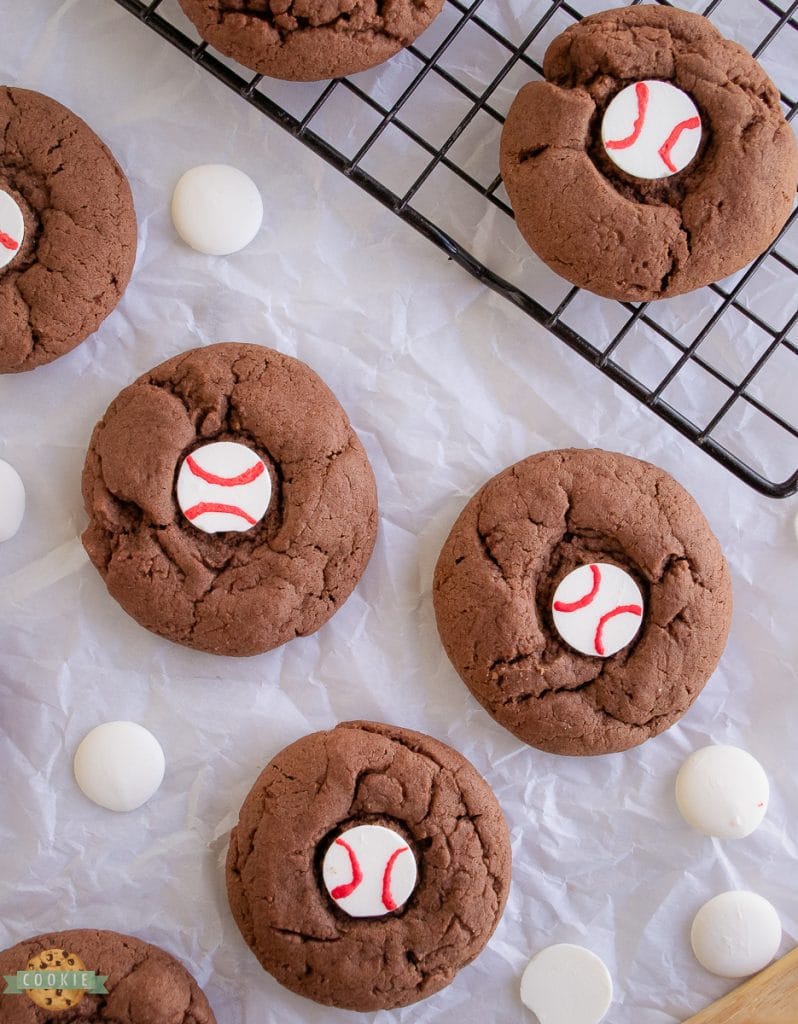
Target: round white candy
12	228
119	765
597	609
12	500
223	486
722	791
216	209
651	129
369	871
566	984
736	934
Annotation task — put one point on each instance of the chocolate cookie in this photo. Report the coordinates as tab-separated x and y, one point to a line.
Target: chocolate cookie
369	864
306	40
583	599
67	230
131	982
641	89
231	505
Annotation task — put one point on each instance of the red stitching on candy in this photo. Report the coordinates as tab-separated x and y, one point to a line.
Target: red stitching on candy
214	506
387	899
340	892
666	147
226	481
623	609
8	242
583	602
641	92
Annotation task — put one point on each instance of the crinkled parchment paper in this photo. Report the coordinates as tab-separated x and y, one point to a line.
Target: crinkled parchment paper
446	384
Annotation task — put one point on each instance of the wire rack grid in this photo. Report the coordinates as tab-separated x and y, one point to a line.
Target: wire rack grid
421	135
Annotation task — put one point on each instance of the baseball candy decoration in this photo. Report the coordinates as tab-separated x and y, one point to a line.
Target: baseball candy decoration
223	486
369	871
597	609
12	229
651	129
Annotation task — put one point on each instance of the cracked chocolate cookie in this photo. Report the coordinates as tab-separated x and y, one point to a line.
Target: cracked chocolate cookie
231	505
67	230
654	159
583	599
130	981
308	40
369	864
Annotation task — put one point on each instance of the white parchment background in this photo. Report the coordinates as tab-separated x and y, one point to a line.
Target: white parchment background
446	384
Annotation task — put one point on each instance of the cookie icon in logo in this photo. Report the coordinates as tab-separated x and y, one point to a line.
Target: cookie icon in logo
48	961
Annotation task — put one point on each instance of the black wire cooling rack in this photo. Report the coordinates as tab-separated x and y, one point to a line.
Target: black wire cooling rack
421	135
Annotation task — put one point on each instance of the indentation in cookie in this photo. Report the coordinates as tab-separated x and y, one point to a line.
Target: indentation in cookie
20	246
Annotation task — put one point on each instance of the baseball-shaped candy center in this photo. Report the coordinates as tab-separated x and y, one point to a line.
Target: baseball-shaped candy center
223	486
369	871
12	229
651	129
597	609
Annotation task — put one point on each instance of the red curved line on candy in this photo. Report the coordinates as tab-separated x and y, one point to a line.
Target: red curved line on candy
641	91
8	242
226	481
387	899
214	506
623	609
666	147
340	892
583	602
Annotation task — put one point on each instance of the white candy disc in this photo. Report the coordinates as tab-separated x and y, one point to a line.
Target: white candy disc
369	871
119	765
12	500
651	129
566	984
736	934
722	791
12	229
597	609
223	486
216	209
